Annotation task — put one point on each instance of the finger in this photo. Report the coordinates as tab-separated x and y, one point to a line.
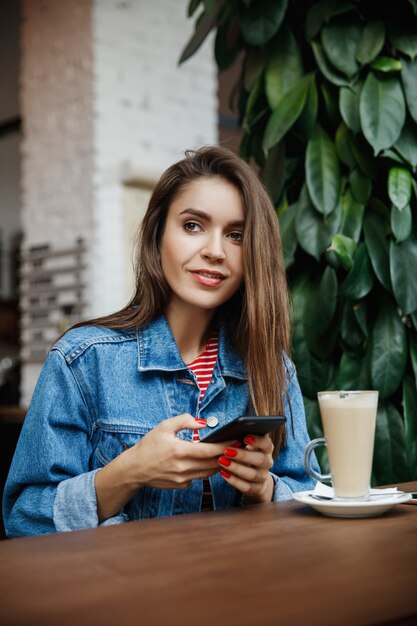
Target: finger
252	458
238	483
203	474
243	472
202	465
183	422
210	450
259	442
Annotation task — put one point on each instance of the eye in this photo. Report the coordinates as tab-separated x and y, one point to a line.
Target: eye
192	227
236	236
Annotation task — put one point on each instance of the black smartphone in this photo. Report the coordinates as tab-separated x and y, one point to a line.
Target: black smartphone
245	425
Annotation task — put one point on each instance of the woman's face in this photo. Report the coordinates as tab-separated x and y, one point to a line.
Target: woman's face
201	246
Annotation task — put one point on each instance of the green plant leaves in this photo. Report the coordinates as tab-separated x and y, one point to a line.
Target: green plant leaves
340	39
226	42
350	332
406	144
405	42
378	249
252	68
284	67
335	77
344	248
314	232
360	186
371	41
323	11
401	222
403	258
389	351
252	109
313	418
408	77
273	171
307	121
363	156
386	65
349	106
358	283
321	306
350	240
203	26
343	146
382	111
192	7
286	113
353	372
314	374
322	172
390	461
399	187
261	20
410	424
352	219
288	236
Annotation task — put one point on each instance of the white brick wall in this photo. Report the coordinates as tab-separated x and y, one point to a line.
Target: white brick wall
147	112
103	100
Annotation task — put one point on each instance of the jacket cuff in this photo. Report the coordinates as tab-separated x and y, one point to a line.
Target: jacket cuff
75	504
281	490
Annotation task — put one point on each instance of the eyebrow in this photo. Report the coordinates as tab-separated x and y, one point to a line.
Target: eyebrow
206	216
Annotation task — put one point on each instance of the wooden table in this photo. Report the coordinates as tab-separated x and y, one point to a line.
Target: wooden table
260	565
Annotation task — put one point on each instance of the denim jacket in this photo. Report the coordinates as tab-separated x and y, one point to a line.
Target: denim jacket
99	392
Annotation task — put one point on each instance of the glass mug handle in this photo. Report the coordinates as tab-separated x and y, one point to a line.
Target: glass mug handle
307	459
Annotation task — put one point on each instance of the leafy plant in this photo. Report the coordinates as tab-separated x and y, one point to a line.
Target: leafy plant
327	99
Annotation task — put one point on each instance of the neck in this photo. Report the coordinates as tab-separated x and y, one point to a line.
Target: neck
190	328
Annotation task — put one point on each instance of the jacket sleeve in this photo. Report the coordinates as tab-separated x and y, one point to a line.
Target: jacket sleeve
288	470
50	486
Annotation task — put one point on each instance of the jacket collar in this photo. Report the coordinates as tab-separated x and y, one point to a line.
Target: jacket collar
157	350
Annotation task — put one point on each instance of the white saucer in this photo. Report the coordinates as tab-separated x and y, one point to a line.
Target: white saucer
358	508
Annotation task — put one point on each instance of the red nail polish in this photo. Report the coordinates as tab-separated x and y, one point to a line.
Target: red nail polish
230	452
200	420
225	473
249	440
236	444
224	461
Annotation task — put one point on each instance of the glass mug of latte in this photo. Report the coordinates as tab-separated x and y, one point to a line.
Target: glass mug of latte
348	419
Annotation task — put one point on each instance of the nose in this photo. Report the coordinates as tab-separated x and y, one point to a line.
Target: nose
213	249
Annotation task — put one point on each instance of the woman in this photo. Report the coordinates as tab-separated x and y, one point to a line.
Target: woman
111	430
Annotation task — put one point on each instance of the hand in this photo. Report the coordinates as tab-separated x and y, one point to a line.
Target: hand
247	469
160	459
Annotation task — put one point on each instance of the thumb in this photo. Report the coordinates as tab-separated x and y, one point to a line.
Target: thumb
184	421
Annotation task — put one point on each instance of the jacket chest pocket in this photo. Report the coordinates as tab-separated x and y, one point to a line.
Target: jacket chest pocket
115	439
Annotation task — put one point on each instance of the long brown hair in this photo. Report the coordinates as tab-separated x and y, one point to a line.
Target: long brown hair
257	316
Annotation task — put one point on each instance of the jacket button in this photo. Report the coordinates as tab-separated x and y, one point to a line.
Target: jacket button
212	421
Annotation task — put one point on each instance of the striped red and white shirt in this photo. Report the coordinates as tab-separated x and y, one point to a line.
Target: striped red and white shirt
203	367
